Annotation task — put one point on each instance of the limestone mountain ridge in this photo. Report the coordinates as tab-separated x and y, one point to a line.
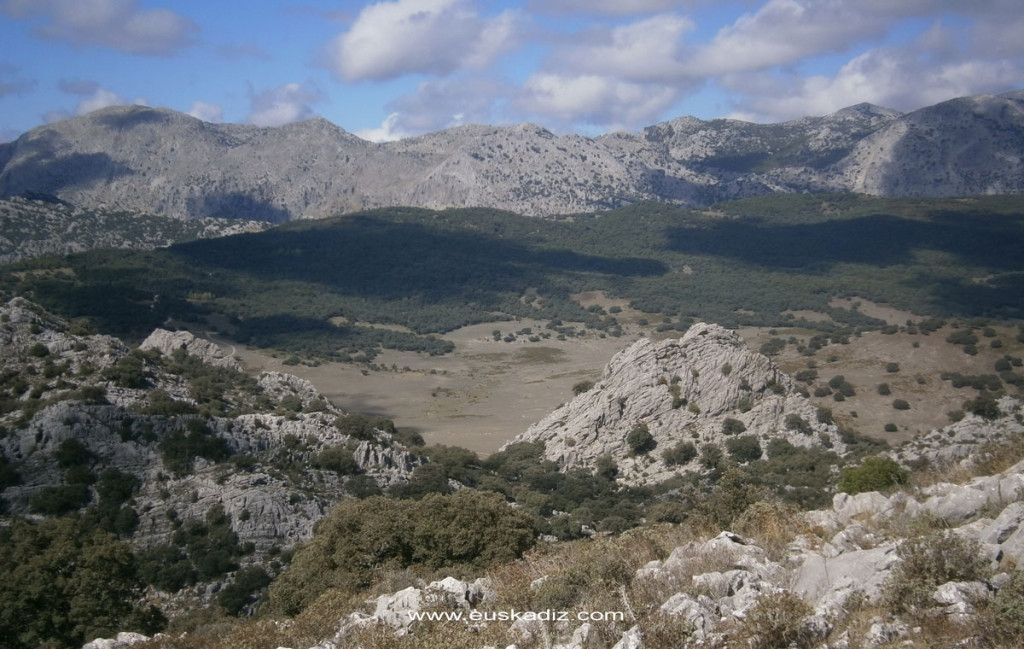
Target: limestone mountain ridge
158	161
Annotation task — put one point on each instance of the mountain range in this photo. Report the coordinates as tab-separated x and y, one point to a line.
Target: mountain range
159	161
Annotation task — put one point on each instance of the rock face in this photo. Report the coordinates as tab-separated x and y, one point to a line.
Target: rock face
705	388
158	161
123	412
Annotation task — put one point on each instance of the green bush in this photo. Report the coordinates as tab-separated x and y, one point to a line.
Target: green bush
363	427
681	453
337	459
797	423
63	583
640	440
243	590
745	448
873	474
1003	620
467	530
732	426
179	448
60	499
900	404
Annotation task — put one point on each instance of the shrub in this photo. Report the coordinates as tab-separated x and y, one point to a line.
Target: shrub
39	350
1004	618
892	368
60	499
900	404
468	529
337	459
243	590
640	440
778	621
179	448
890	428
927	563
884	390
363	427
985	406
582	386
744	449
732	426
873	474
681	453
64	583
797	423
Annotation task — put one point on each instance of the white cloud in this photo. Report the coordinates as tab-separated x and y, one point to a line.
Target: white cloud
649	49
608	7
118	24
785	31
389	130
391	39
929	70
283	104
595	99
207	112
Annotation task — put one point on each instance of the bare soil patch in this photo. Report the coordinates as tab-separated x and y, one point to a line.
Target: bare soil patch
479	397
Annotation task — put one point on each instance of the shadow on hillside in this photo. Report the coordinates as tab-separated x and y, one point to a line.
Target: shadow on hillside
367	256
236	205
993	242
134	116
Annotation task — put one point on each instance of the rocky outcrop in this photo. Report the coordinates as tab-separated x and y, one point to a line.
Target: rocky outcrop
169	342
158	161
66	390
705	388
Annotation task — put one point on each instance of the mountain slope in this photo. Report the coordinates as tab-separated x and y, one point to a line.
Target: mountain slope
158	161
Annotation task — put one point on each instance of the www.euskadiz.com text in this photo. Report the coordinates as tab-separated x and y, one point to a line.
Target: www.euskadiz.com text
513	615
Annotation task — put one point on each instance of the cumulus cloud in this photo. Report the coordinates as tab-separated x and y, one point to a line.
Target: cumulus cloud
291	102
93	97
117	24
608	7
649	49
389	130
595	99
926	71
207	112
391	39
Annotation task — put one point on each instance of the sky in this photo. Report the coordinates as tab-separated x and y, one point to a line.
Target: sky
398	68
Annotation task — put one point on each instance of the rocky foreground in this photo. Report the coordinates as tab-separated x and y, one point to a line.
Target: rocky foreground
854	575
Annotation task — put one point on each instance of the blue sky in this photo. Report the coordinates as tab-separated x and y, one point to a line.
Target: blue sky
396	68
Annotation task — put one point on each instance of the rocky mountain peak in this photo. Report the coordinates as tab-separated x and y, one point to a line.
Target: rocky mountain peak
703	389
157	161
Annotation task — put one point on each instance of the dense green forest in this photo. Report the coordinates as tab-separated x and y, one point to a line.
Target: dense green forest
742	263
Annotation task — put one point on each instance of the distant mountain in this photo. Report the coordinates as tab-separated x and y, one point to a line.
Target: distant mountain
159	161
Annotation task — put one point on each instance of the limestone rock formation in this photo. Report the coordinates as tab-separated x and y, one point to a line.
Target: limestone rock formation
705	388
158	161
129	413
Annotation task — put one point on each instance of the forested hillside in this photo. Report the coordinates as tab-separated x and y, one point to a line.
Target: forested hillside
316	287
